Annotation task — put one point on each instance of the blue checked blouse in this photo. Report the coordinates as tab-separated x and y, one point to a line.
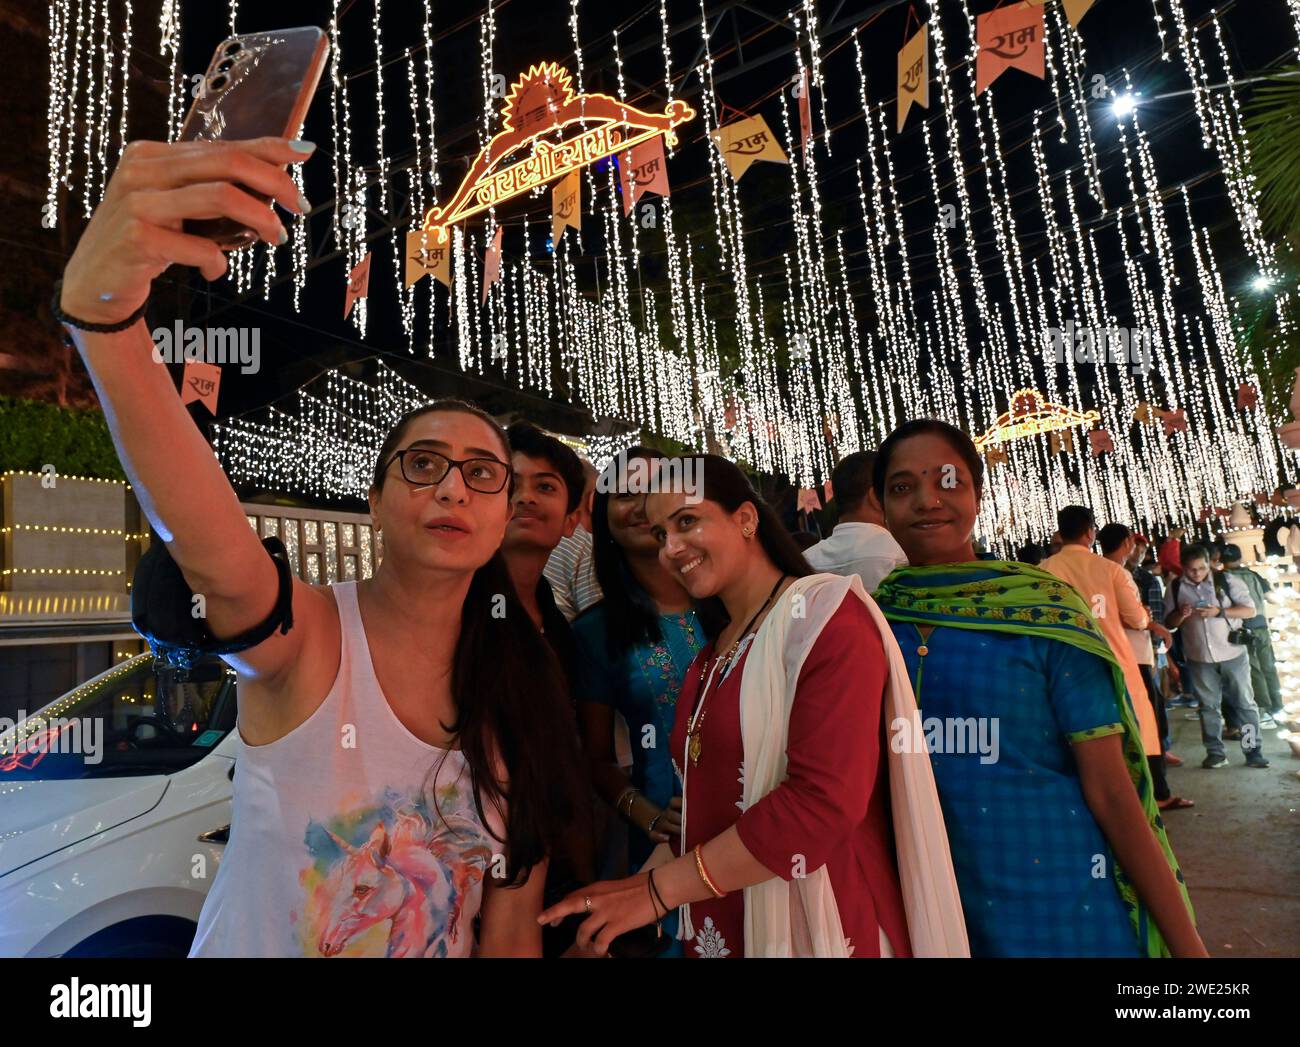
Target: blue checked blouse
1034	870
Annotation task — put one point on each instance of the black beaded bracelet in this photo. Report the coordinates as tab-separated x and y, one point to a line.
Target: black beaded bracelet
658	897
86	325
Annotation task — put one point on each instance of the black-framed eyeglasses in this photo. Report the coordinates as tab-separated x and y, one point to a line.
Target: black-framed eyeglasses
426	468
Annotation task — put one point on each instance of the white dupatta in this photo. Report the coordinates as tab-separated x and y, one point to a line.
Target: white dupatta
799	917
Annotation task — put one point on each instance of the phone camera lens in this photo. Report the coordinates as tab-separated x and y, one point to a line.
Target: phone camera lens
218	82
233	48
226	66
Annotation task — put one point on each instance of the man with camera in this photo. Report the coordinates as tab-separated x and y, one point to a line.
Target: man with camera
1208	609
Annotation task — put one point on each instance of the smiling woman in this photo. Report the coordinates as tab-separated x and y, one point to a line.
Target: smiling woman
786	801
382	730
1057	844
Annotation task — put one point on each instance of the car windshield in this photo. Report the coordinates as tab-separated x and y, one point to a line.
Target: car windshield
130	720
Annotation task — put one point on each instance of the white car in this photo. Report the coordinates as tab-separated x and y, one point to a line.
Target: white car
114	856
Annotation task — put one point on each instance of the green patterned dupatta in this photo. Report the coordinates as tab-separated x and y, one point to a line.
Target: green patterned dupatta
1004	596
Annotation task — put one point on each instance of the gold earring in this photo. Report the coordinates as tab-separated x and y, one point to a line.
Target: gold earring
748	532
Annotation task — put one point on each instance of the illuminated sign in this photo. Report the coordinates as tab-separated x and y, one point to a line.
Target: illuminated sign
540	106
1031	415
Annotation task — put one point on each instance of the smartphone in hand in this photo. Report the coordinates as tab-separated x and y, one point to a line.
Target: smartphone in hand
256	85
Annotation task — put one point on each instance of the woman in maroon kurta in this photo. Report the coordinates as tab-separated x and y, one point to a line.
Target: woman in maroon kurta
833	807
820	815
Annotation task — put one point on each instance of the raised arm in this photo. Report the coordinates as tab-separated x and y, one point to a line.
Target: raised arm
135	234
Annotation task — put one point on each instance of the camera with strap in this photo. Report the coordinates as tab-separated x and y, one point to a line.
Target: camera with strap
1240	636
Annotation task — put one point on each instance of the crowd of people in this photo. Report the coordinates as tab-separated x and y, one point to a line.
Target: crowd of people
1204	644
570	715
1121	596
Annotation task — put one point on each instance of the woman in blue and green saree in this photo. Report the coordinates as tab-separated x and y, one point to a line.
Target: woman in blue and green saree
1057	843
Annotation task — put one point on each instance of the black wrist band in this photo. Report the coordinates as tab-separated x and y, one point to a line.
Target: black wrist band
162	609
657	896
86	325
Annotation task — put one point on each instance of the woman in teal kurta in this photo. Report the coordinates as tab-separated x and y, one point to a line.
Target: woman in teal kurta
634	648
642	686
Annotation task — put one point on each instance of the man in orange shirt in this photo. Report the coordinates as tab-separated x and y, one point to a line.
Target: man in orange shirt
1113	596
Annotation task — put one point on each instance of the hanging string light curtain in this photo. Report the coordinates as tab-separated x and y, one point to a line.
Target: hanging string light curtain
863	337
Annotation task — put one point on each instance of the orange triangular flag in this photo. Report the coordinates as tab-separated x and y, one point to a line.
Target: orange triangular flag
747	140
1174	421
807	501
358	284
1100	442
425	256
1056	442
643	169
1009	38
566	205
492	263
805	113
201	382
914	74
1074	9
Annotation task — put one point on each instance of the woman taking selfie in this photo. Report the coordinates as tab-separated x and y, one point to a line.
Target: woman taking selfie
785	846
634	648
404	763
1057	843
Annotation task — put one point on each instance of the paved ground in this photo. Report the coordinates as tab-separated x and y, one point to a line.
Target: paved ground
1239	847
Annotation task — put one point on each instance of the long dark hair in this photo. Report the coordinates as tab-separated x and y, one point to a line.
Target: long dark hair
723	482
630	615
511	700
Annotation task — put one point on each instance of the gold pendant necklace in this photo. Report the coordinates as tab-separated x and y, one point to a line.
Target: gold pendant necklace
695	742
694	727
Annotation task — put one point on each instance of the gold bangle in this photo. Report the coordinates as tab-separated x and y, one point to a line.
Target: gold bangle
704	875
629	794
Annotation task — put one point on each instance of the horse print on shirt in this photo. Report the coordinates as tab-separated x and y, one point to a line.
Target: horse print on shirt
393	878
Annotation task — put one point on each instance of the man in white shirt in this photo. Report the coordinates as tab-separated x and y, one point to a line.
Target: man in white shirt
571	570
1207	609
859	544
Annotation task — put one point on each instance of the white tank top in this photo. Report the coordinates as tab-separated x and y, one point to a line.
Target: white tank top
340	844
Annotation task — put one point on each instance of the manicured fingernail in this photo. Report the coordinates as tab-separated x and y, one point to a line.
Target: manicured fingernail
298	145
304	205
283	238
